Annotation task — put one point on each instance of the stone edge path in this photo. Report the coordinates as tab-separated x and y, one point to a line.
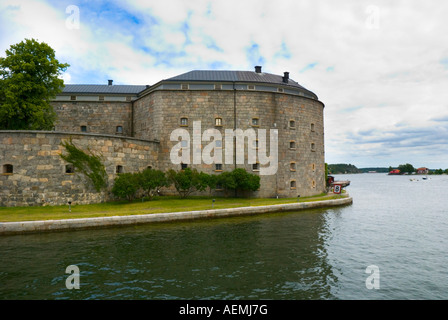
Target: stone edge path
22	227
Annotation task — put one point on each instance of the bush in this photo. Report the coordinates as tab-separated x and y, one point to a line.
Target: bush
126	185
151	180
185	181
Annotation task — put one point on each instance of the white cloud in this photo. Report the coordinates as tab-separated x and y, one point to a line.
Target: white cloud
372	80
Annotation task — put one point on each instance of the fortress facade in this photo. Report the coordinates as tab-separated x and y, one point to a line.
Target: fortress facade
131	127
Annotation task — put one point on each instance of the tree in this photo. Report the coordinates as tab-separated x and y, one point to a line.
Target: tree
408	168
126	186
185	181
239	180
28	81
151	180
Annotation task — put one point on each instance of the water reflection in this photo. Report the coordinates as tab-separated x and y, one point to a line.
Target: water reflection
265	257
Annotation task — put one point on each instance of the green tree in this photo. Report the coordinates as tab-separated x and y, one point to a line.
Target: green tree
408	168
126	185
239	180
185	181
29	79
151	180
227	181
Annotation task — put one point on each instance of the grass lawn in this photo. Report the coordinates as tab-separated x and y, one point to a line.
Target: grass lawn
157	205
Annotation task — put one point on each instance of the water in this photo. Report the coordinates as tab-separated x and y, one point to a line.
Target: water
399	226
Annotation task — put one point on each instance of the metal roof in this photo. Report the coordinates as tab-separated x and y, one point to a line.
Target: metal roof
243	76
102	89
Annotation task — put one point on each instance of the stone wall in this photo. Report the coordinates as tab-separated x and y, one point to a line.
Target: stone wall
158	114
97	116
39	175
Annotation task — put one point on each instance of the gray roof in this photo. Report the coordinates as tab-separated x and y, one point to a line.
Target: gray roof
243	76
102	89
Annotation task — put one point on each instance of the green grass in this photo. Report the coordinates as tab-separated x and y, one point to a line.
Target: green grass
157	205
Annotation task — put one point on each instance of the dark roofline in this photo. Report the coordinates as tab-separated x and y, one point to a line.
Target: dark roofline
228	76
102	89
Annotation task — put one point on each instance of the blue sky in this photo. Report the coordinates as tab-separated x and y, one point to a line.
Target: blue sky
380	67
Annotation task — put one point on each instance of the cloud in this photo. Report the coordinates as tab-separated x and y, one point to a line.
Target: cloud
380	67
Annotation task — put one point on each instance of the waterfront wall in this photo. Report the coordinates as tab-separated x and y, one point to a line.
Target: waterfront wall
9	228
33	173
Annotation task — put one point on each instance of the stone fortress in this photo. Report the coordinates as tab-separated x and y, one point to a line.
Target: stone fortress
129	126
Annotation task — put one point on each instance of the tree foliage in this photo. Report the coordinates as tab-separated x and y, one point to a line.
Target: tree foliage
408	168
126	185
151	180
185	181
239	180
29	79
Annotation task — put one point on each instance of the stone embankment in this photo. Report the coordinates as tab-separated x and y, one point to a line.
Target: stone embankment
22	227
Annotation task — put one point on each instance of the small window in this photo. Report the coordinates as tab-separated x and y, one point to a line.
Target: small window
313	184
128	98
83	128
119	169
292	166
218	87
184	143
119	130
292	184
313	147
101	98
255	122
218	144
292	124
255	166
183	166
280	90
292	144
251	87
218	167
184	86
218	122
73	98
312	127
184	121
149	167
69	169
8	169
313	167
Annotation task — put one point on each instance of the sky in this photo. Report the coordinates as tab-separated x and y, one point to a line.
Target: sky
380	67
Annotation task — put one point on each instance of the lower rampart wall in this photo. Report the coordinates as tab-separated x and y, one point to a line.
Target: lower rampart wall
33	173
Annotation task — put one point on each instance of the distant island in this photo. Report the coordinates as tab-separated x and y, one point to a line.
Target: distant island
343	168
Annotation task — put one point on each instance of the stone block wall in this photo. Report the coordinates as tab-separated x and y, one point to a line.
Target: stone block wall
39	175
101	117
158	114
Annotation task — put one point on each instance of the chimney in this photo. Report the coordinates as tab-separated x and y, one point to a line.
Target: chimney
258	69
286	77
110	82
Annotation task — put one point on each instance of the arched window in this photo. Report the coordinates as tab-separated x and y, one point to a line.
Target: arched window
293	184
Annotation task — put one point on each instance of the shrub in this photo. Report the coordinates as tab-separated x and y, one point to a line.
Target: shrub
126	185
151	180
